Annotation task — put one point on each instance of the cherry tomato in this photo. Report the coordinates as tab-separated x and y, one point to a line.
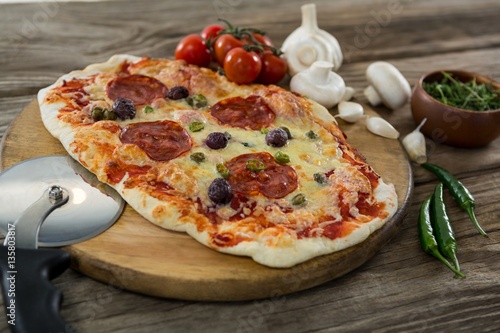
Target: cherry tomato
211	31
242	67
193	50
223	45
273	69
262	39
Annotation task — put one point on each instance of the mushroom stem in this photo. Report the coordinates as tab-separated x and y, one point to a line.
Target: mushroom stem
372	95
320	71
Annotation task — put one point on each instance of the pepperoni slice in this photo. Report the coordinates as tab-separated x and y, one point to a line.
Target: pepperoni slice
141	89
251	112
161	140
275	181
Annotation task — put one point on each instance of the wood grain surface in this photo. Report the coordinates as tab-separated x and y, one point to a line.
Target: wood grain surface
142	257
401	289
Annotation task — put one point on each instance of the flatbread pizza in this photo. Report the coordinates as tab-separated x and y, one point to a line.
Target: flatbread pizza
249	170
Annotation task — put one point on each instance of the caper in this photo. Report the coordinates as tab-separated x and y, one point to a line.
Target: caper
198	101
299	200
222	170
97	113
320	178
109	115
198	157
287	132
281	157
255	165
196	126
312	135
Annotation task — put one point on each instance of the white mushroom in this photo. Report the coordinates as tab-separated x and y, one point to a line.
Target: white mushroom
320	84
387	85
381	127
350	111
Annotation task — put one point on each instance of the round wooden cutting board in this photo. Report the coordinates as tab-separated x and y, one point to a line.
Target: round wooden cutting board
139	256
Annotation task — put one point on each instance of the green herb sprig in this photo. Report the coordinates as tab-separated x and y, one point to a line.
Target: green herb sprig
469	95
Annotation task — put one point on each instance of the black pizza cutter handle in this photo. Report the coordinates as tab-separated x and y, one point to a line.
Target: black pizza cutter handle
31	301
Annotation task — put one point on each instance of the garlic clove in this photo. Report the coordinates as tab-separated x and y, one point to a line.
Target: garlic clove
381	127
348	94
350	111
414	144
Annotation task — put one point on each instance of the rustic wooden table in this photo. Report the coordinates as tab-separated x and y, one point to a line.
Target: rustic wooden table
400	289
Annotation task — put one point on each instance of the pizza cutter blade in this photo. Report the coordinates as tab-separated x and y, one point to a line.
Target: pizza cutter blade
48	201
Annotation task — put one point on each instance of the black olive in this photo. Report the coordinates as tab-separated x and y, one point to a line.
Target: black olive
220	191
277	137
124	108
216	140
178	92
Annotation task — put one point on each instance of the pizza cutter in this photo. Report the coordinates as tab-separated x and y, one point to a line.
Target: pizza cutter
49	201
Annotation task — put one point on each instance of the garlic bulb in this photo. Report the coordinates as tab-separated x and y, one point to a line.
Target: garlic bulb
350	111
414	143
320	84
381	127
308	43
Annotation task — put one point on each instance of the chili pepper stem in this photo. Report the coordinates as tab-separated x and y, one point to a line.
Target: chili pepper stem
440	257
475	222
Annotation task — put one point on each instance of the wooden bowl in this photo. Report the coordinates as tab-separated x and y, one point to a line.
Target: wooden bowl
451	125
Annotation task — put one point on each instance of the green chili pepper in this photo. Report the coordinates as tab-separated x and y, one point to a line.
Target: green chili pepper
196	126
442	227
255	165
461	194
281	157
197	101
427	238
222	170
